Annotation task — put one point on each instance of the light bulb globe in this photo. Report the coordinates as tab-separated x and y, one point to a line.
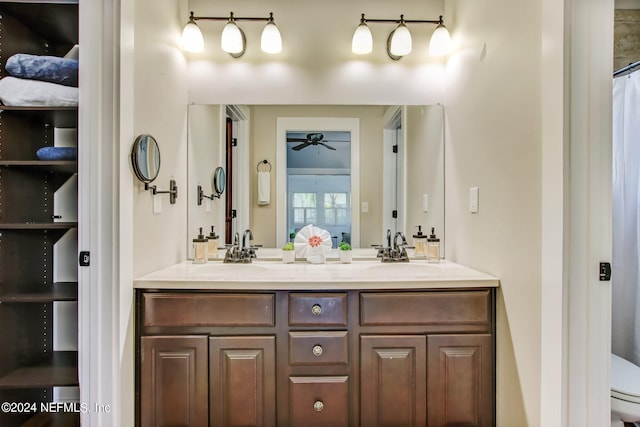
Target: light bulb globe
440	43
362	42
192	40
271	40
401	43
231	39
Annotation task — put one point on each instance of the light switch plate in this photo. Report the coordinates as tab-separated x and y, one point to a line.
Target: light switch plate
364	207
157	204
473	200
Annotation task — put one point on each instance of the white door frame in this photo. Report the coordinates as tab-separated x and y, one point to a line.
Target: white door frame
393	164
576	336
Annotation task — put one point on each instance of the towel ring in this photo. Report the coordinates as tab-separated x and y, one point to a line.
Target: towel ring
264	162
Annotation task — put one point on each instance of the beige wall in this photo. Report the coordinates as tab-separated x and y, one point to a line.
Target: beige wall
493	134
160	109
493	107
425	169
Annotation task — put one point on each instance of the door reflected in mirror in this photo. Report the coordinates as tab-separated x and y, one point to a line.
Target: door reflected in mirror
399	155
319	182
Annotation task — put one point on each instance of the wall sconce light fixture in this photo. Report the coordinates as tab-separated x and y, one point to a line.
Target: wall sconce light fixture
399	41
233	40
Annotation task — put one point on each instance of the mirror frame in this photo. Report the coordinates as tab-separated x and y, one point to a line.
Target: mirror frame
135	159
219	181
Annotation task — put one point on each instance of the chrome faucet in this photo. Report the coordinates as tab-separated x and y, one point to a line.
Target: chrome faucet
397	253
246	233
241	254
403	241
233	250
400	250
249	251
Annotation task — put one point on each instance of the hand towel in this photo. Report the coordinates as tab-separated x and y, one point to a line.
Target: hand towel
264	188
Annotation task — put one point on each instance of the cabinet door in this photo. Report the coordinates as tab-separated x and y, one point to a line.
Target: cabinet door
318	401
173	381
393	380
242	381
460	380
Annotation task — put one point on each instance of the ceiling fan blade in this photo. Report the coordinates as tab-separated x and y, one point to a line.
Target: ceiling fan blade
301	146
328	146
297	140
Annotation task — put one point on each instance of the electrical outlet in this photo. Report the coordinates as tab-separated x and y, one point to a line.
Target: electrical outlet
207	205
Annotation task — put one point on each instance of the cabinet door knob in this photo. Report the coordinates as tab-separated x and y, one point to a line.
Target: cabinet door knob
317	350
318	406
316	309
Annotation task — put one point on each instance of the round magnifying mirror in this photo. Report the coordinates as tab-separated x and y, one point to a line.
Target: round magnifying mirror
219	181
145	158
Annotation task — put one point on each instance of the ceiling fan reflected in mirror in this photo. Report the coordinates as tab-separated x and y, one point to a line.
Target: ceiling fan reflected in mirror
315	138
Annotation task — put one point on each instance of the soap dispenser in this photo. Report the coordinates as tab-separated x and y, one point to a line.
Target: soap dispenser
419	243
433	247
200	249
212	242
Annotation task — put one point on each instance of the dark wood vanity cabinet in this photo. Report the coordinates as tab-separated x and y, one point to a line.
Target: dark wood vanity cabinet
311	359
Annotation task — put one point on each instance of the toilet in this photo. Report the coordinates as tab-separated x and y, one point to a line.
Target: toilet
625	391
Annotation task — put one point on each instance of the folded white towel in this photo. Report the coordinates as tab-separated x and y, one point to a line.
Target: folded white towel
264	188
33	93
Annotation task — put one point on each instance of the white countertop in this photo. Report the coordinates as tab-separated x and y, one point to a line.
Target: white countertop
270	274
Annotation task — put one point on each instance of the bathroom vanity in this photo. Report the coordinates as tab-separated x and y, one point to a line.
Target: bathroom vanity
271	344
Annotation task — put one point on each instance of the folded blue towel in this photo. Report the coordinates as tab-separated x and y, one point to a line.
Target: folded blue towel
50	69
57	153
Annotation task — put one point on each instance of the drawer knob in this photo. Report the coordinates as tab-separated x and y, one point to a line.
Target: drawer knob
316	310
317	350
318	406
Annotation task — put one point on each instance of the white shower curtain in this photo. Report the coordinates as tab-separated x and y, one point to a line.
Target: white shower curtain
625	331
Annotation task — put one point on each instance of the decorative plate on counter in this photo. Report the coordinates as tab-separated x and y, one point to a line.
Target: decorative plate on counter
312	243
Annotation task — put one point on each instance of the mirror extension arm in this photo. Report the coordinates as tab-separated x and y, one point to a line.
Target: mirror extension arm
172	192
201	195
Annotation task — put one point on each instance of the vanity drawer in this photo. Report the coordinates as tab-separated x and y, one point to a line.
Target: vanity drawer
319	401
426	308
207	309
318	348
318	309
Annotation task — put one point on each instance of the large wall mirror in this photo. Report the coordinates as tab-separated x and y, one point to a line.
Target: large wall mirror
356	170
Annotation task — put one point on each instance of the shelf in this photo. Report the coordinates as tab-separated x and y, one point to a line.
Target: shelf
60	166
59	369
61	291
12	108
40	1
39	226
60	419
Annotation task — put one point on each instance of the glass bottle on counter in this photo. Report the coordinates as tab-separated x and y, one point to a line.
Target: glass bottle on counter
200	245
212	244
419	243
433	247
